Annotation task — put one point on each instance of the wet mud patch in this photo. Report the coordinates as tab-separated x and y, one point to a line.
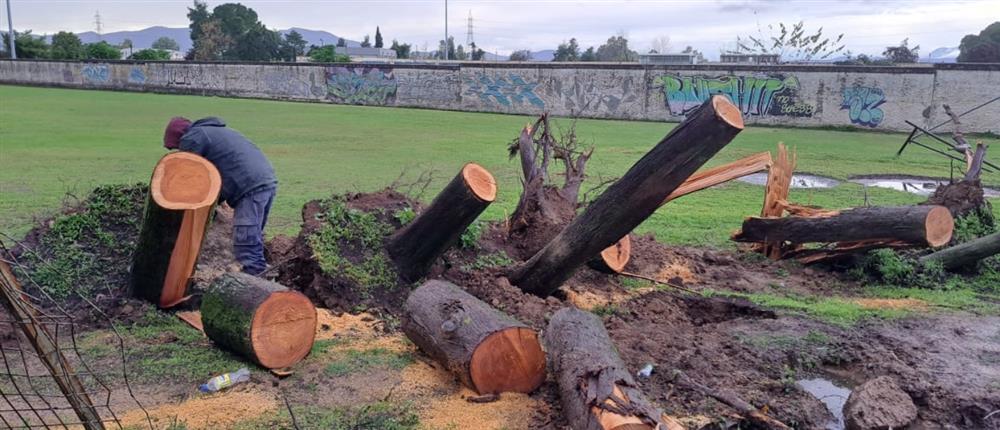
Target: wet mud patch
799	180
919	185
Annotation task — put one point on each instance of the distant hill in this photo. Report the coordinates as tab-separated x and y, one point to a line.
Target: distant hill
144	38
544	55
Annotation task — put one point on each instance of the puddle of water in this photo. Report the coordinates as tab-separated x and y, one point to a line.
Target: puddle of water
919	186
799	180
833	396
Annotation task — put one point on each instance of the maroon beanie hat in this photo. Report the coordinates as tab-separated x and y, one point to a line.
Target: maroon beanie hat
176	128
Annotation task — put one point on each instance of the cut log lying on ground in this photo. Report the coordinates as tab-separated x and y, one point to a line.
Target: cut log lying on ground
271	325
182	194
489	351
965	254
613	258
597	391
721	174
415	247
918	225
633	198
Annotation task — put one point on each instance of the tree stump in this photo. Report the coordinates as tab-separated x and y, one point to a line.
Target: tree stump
182	193
415	247
261	320
489	351
633	198
918	225
596	389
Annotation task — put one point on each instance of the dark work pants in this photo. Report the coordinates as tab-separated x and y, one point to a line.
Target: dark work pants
250	216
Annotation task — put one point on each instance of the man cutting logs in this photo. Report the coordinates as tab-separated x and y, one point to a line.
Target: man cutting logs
248	181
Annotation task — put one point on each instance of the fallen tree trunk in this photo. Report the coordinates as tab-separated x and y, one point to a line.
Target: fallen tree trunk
633	198
182	193
721	174
415	247
965	254
919	225
597	392
271	325
489	351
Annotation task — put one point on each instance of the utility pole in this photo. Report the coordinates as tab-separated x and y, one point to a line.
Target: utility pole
10	34
469	39
97	24
445	29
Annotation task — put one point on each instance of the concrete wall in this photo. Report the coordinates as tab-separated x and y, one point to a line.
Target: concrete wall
865	97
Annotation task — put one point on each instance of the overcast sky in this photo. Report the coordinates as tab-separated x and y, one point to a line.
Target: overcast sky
503	26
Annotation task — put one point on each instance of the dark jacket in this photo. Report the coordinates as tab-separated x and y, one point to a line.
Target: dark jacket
242	166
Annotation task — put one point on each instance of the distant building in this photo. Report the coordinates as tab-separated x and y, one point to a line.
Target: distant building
750	58
359	52
667	59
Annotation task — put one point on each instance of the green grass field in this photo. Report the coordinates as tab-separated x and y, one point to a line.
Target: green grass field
57	141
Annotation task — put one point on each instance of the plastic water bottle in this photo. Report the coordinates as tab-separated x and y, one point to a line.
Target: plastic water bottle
225	381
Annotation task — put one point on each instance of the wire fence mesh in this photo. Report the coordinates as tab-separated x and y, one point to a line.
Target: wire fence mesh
46	380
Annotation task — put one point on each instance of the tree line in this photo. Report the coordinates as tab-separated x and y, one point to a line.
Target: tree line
66	45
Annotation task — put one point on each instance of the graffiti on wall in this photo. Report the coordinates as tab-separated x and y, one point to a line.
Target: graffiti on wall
136	76
427	87
289	83
775	95
863	104
361	85
506	91
596	95
96	73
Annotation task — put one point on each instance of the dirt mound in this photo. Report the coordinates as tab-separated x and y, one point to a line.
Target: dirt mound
338	258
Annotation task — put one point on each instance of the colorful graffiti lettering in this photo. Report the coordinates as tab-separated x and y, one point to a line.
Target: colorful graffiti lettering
360	85
96	73
863	104
136	76
755	95
505	91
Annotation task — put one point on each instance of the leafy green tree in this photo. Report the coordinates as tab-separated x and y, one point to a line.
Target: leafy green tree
126	44
198	15
460	53
475	52
446	47
167	44
293	45
984	48
327	54
66	46
520	55
588	55
616	49
903	53
791	43
402	49
235	20
150	55
26	45
567	51
698	57
257	44
212	43
378	37
103	51
341	43
366	42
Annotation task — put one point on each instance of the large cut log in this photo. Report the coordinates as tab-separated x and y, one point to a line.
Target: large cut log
596	389
633	198
489	351
182	194
261	320
918	225
967	253
722	174
415	247
613	258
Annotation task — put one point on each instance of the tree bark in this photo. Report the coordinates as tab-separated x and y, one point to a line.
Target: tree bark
597	391
965	254
918	225
975	167
259	319
182	193
415	247
633	198
489	351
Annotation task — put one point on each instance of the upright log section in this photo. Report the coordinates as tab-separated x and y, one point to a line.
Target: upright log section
182	194
489	351
918	225
633	198
596	389
415	247
271	325
779	181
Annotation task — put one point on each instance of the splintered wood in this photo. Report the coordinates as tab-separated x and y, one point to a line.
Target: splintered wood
779	181
722	174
